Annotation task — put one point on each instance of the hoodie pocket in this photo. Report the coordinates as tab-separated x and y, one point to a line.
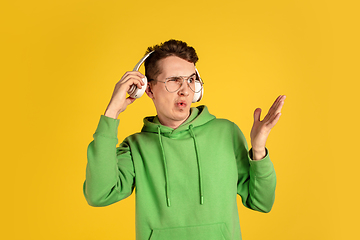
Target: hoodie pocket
217	231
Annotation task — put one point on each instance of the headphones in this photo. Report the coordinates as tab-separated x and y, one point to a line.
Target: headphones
136	92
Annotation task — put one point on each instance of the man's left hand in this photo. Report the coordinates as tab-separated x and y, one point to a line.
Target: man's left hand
261	129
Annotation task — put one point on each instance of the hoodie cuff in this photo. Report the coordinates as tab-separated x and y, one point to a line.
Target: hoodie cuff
107	127
250	155
260	166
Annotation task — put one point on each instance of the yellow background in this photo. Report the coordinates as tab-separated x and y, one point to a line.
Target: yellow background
60	61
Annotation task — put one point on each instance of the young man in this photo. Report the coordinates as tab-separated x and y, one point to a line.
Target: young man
187	165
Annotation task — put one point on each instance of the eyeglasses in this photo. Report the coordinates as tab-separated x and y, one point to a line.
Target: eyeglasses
173	84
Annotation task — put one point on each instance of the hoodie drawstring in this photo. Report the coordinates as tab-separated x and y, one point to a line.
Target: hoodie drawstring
167	190
199	165
167	185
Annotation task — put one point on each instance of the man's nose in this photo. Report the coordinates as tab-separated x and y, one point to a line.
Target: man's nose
184	89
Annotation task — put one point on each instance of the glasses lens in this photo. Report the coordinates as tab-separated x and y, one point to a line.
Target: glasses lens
195	84
173	84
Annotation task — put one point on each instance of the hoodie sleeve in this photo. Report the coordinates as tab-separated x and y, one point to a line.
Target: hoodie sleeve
256	179
110	171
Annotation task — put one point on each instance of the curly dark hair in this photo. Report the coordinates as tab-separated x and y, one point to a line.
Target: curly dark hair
169	48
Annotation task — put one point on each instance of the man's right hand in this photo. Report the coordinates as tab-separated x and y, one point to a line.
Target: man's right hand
119	101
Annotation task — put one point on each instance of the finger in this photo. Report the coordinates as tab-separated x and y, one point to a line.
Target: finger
138	82
135	74
272	122
271	111
130	80
129	100
279	104
274	109
140	74
257	114
280	99
274	105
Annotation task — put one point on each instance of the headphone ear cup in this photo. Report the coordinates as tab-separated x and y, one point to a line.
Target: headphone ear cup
198	94
135	92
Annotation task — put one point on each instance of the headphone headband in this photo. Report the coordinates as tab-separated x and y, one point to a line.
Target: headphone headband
137	66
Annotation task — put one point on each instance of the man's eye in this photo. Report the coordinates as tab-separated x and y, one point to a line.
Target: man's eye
192	80
179	80
175	80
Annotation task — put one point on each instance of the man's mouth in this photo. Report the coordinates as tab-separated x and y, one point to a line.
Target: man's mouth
181	104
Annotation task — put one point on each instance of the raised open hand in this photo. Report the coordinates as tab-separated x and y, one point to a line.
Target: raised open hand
261	129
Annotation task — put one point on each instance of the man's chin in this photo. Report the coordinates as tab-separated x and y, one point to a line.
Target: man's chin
183	114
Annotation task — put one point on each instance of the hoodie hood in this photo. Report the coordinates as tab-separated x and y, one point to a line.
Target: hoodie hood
198	117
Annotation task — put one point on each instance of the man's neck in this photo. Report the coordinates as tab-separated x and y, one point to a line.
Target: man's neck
171	123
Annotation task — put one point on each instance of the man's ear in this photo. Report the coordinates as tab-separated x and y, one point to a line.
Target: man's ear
148	91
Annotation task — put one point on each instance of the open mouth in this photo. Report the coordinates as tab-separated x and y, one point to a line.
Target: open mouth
181	104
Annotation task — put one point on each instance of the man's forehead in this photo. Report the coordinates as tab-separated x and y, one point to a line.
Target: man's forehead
175	66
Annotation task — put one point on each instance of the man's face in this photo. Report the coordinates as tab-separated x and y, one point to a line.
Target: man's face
172	108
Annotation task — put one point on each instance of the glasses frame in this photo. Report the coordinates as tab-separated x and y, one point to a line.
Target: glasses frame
183	78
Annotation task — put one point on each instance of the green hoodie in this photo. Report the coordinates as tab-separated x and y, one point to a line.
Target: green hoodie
186	179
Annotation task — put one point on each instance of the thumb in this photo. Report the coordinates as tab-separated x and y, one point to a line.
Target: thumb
129	100
257	114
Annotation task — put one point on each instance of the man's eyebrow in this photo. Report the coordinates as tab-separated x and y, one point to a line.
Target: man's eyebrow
194	74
